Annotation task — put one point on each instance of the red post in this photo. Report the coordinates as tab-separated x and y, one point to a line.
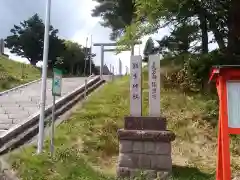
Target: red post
224	74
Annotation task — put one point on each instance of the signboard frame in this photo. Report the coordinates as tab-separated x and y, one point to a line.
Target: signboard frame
57	79
223	75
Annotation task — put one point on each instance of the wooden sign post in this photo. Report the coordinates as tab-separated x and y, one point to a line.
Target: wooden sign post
136	86
154	85
228	87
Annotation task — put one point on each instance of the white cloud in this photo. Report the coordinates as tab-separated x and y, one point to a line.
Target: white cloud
74	21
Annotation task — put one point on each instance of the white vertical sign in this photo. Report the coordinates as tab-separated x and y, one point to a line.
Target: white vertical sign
136	86
120	67
154	85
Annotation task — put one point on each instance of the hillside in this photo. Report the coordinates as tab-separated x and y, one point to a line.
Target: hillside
87	146
13	73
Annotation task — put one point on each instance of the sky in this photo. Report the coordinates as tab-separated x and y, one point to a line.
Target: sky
74	21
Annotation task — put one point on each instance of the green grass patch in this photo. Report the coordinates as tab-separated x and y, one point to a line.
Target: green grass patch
66	165
13	73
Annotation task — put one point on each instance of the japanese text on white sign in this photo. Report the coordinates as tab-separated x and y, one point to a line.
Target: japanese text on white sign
154	85
136	86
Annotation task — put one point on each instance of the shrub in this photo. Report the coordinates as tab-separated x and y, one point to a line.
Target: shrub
193	73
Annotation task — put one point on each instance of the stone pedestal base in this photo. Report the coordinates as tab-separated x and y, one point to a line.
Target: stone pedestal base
145	146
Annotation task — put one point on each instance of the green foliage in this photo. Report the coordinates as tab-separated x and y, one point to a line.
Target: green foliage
116	14
14	73
27	41
73	59
217	17
193	72
181	38
28	37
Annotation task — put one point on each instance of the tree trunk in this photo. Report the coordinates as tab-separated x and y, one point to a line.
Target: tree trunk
234	29
212	26
204	29
217	34
72	69
33	62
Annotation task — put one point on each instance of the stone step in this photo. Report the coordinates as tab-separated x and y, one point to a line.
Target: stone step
7	105
6	121
6	126
4	117
17	105
11	109
2	131
20	115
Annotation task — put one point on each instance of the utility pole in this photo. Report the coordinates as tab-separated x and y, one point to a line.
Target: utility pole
102	60
44	78
86	55
90	59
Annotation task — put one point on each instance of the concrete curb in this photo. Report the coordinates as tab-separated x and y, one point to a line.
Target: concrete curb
18	87
29	122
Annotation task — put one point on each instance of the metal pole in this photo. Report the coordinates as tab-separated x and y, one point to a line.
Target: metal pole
113	73
102	60
52	126
90	63
85	89
44	78
86	55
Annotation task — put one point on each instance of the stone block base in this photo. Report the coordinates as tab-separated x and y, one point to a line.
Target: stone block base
145	161
145	149
129	173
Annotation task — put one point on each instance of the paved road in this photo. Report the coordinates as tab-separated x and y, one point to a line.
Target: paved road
18	105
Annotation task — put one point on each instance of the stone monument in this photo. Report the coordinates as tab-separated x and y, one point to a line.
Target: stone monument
145	142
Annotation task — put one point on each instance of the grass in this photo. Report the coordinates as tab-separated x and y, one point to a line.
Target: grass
87	145
13	73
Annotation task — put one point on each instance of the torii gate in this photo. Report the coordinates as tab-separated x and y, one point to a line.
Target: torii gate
102	45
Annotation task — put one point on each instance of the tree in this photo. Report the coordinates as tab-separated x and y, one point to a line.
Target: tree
28	37
116	14
216	16
219	17
73	57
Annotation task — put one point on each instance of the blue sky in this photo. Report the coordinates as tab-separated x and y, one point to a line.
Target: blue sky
72	18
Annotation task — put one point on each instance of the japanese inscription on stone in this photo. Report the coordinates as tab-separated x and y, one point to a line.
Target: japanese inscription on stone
136	86
154	85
